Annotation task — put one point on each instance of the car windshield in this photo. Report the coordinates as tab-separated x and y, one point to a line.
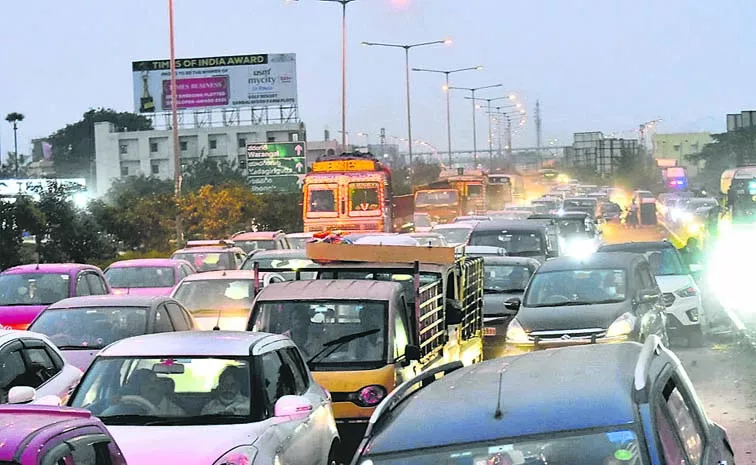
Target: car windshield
212	294
454	235
576	287
434	241
312	324
290	263
259	244
692	204
91	327
514	242
585	448
208	261
575	227
142	276
436	198
664	262
512	278
168	390
297	242
579	203
33	288
422	221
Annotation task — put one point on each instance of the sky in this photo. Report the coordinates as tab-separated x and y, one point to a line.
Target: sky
595	65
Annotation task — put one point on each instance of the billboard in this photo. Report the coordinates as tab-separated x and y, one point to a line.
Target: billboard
261	80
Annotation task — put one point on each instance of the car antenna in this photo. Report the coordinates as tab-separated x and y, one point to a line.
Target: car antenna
217	322
498	413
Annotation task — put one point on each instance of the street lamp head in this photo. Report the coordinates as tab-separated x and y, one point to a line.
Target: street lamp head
448	41
512	96
366	44
479	68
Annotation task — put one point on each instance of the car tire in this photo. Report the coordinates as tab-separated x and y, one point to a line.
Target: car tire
695	337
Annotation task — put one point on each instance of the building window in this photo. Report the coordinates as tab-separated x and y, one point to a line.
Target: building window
242	143
124	170
294	137
676	147
123	149
213	144
183	145
153	147
271	138
155	168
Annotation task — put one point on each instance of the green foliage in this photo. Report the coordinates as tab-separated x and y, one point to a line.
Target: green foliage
10	236
424	172
280	211
73	146
208	172
729	150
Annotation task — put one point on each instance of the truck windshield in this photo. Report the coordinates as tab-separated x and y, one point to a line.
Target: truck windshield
587	448
446	197
313	323
322	200
363	196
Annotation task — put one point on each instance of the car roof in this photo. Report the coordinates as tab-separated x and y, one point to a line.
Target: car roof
147	262
18	423
209	249
256	235
49	268
224	274
615	260
276	253
337	289
499	260
636	247
190	343
300	234
454	226
541	392
11	334
110	300
510	225
570	215
581	198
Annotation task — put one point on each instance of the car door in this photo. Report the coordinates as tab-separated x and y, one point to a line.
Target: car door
291	434
176	314
161	322
97	284
12	368
82	285
81	446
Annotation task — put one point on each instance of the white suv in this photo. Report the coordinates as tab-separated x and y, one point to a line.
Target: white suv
680	293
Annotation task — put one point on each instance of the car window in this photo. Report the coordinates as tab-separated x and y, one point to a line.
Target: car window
82	285
177	317
12	371
684	422
91	454
96	284
294	362
401	339
278	380
647	280
182	272
162	323
41	364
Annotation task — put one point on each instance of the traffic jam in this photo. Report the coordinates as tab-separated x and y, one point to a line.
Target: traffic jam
488	318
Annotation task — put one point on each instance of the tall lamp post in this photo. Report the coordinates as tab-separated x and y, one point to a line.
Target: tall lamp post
448	105
14	118
174	125
407	48
490	126
472	91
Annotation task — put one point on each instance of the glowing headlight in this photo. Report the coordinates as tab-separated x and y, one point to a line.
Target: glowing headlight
516	334
687	291
622	326
581	248
242	455
694	228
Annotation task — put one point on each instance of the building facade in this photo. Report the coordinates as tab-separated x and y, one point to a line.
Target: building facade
150	153
601	154
672	149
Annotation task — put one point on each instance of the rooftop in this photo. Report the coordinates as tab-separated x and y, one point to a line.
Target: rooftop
224	274
542	392
189	344
112	300
336	289
209	249
510	225
147	262
48	268
616	260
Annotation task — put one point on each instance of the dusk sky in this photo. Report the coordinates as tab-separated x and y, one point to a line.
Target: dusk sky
603	65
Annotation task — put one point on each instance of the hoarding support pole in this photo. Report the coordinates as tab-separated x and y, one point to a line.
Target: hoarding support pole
174	126
343	76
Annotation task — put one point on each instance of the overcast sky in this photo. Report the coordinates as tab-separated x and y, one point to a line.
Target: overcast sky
594	64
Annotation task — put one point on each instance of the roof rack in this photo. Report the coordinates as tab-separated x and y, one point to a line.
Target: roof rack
405	390
650	349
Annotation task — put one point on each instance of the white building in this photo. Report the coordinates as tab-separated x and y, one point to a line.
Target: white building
121	154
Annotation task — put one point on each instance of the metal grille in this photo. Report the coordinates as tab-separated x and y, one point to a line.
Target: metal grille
568	334
472	305
668	298
430	317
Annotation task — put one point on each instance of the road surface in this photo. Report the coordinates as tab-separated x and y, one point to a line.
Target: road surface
723	372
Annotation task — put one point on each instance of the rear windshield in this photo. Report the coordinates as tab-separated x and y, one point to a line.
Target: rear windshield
514	242
142	276
33	288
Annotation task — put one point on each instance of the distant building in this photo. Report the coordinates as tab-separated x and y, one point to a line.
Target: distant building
744	119
672	149
594	151
121	154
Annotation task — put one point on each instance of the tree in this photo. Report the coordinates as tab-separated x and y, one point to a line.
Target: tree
728	150
126	191
73	148
207	171
218	212
10	236
280	211
14	118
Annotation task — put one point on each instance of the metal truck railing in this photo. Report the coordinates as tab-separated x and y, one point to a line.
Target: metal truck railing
430	318
471	280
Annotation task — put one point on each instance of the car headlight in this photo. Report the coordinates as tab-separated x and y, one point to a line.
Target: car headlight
370	396
242	455
687	291
622	326
516	334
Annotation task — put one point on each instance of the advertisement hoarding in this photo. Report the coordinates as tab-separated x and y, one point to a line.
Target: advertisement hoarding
260	80
276	166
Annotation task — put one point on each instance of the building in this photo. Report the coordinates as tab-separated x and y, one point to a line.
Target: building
744	119
601	154
150	153
673	148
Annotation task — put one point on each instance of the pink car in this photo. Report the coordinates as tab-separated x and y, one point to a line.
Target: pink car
148	276
26	290
36	434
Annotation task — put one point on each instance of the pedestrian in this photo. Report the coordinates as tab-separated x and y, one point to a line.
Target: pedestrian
691	253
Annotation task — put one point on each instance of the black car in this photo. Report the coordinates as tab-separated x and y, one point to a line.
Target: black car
607	297
581	204
519	238
606	404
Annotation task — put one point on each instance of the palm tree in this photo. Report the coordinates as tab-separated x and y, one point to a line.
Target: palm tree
14	118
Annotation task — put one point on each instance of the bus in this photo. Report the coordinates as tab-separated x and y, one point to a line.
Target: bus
504	189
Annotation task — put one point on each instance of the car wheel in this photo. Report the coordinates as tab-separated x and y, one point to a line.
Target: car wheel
695	337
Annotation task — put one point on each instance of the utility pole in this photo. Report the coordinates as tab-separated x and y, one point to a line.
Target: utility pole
509	137
538	132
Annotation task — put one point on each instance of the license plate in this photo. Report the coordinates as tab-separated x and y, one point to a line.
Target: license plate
489	331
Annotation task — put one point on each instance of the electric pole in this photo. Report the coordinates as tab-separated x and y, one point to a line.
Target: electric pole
538	132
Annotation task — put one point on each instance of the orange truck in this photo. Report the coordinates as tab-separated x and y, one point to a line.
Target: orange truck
457	192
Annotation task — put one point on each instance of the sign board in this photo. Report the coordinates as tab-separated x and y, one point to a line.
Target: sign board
223	81
276	166
343	165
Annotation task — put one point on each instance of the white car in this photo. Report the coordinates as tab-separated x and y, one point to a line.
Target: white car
680	293
455	233
33	370
210	397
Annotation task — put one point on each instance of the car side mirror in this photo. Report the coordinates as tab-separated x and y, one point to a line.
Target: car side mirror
21	394
292	407
453	312
513	303
412	352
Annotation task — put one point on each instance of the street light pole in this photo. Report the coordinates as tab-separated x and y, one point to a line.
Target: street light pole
174	125
490	126
472	91
407	48
448	99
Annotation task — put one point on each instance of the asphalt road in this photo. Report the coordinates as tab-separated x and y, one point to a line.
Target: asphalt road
723	371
